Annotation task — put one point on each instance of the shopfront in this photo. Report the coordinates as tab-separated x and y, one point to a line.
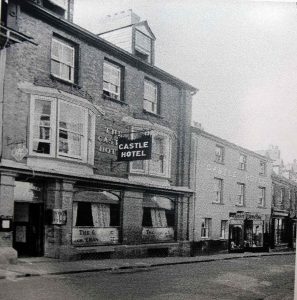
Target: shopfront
246	232
96	218
282	229
158	221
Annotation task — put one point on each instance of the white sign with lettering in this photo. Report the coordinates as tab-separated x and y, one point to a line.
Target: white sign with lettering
150	234
86	236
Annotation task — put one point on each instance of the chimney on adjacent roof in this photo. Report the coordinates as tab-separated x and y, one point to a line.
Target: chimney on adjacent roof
118	20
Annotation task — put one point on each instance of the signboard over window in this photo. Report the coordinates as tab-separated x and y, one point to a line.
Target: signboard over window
136	149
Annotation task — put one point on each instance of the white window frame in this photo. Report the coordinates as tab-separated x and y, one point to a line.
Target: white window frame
88	146
52	140
242	162
84	136
59	60
224	229
219	154
154	102
206	228
241	194
262	196
147	170
218	190
118	69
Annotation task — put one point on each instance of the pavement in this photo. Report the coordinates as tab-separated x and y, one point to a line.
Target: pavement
40	266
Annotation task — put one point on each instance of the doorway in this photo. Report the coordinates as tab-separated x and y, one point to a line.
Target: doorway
28	229
236	238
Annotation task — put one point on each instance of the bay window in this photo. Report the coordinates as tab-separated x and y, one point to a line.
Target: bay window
61	129
159	164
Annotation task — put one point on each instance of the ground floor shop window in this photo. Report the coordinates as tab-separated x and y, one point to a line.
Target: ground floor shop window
253	236
279	231
96	222
158	219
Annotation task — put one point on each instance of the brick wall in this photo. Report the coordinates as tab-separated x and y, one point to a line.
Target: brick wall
28	63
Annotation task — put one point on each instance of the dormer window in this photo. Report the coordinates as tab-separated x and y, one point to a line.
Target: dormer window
58	6
143	46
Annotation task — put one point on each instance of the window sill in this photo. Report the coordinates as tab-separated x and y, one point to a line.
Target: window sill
219	203
70	83
219	162
262	207
106	97
152	114
240	205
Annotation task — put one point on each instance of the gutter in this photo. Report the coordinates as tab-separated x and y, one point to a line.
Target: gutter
77	31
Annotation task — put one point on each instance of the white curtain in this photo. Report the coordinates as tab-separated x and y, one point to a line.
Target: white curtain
101	215
74	213
158	217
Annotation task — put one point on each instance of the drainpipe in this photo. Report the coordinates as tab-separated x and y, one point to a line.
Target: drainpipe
2	76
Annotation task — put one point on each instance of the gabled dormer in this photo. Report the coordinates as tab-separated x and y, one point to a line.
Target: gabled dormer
126	31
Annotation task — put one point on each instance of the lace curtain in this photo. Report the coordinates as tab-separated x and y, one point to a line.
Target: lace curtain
101	215
158	217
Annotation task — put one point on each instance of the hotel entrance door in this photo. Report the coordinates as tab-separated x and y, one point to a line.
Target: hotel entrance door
28	229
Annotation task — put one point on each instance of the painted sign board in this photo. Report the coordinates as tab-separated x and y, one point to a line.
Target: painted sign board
150	234
136	149
90	236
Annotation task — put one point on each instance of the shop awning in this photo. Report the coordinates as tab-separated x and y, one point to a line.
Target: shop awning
96	197
154	201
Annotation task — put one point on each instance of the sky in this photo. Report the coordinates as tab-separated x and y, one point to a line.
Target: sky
240	54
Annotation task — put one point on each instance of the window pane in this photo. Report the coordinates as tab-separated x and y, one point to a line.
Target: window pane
42	127
56	49
68	55
157	161
55	68
112	80
62	63
71	129
84	214
143	41
150	96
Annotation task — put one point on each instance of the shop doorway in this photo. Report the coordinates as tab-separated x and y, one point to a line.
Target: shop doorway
28	229
236	238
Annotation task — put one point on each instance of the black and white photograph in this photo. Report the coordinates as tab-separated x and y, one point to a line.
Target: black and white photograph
148	149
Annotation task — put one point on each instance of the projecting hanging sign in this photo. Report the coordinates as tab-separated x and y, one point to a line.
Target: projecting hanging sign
137	149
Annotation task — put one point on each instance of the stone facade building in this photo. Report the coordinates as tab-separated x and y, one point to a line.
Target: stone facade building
66	97
232	204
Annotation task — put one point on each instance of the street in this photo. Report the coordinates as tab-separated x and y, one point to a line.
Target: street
247	278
